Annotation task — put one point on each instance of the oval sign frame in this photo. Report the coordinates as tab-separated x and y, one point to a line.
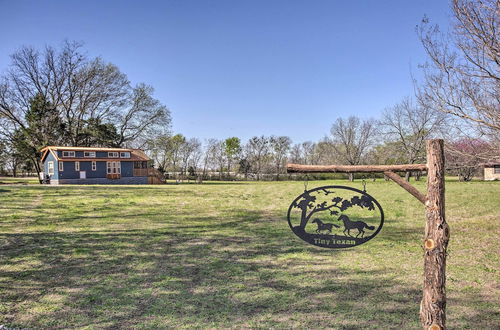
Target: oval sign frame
333	241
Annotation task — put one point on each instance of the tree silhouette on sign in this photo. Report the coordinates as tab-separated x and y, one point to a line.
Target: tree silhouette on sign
335	205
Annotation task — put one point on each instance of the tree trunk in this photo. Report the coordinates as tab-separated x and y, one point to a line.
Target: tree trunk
418	175
433	305
38	169
14	169
407	176
351	177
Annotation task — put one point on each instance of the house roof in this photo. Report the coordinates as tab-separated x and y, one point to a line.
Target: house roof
490	164
135	154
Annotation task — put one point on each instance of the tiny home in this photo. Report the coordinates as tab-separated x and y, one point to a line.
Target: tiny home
82	165
491	171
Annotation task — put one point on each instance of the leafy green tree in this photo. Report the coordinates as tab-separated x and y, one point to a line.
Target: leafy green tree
192	172
232	148
42	127
99	134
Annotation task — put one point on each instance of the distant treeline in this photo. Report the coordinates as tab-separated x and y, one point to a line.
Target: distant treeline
64	97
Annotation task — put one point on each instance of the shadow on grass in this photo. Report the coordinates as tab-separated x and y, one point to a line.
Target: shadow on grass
241	272
208	183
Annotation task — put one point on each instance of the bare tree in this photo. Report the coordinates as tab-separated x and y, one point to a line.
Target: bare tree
309	152
258	150
196	155
462	78
143	118
86	94
187	150
325	152
218	156
409	125
296	154
158	150
464	156
209	155
280	145
352	138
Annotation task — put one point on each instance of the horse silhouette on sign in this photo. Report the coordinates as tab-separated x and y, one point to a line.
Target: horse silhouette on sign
324	226
359	225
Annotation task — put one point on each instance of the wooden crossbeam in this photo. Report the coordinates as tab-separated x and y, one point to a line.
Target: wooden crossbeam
298	168
407	186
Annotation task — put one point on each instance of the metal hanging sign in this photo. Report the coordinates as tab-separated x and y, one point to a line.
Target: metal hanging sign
335	217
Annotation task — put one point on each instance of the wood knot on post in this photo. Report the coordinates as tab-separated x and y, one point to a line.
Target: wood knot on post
429	245
434	327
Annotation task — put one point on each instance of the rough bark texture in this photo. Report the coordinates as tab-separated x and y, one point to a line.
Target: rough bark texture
408	187
297	168
433	305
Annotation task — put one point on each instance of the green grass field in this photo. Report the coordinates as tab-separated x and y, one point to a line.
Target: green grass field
222	256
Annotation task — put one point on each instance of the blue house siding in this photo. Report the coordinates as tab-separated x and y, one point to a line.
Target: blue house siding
126	180
68	171
127	169
69	175
50	158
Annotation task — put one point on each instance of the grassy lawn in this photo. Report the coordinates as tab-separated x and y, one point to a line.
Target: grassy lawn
222	255
18	180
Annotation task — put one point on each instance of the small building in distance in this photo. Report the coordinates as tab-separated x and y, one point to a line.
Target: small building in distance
86	165
491	171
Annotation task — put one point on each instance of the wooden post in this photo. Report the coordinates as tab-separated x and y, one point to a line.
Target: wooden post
437	233
433	305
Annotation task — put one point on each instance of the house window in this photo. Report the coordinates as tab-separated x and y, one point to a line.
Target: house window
61	166
68	154
496	169
124	154
50	166
112	155
140	164
89	154
77	166
113	167
94	166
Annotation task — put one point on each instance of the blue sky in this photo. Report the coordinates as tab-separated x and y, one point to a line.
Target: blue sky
243	68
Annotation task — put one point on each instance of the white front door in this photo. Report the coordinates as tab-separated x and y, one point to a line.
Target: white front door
83	174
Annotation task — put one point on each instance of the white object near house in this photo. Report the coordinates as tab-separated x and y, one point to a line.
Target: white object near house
491	171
